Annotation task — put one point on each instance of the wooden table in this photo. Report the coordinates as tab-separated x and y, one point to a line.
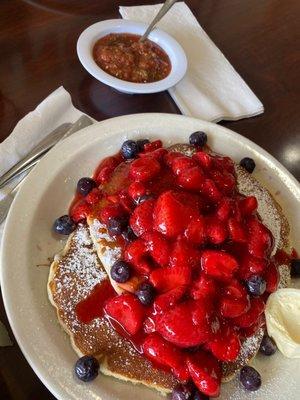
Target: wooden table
38	54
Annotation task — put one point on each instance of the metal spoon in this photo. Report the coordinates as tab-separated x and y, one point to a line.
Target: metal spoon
164	9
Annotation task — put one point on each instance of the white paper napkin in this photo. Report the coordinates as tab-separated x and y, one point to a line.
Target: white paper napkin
55	110
211	90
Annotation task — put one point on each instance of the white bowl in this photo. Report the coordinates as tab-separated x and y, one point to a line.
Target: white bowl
89	37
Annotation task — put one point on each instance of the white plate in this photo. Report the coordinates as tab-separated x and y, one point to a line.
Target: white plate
28	242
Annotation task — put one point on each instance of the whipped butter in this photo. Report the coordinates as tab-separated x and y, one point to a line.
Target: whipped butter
283	320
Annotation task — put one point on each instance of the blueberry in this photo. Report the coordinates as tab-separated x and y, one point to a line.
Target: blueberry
295	267
129	149
268	346
120	271
143	198
141	143
85	185
248	164
128	234
182	392
145	293
256	285
199	396
198	139
64	225
116	225
250	378
86	368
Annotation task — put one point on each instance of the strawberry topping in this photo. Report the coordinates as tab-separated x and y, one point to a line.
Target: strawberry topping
191	245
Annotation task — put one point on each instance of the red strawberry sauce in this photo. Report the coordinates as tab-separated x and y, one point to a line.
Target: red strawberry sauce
198	241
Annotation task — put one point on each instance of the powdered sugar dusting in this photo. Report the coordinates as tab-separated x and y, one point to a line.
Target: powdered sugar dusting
81	261
108	251
285	276
76	274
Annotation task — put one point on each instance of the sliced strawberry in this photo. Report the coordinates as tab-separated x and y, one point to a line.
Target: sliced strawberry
158	154
135	253
218	264
192	201
166	214
257	307
181	164
224	209
226	346
93	197
144	169
248	205
205	372
251	266
158	247
224	180
149	325
106	168
136	190
126	202
234	300
216	230
184	254
210	190
259	323
204	159
272	278
127	310
80	211
170	156
164	353
234	289
223	164
231	307
156	144
165	279
141	220
203	287
260	241
237	231
181	326
191	178
202	310
168	300
110	211
196	231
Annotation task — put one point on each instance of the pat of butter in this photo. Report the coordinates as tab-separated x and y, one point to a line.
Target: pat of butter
283	321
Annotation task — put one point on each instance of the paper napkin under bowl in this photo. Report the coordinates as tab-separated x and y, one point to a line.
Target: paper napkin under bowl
212	89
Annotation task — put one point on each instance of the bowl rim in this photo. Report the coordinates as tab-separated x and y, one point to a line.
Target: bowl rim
92	33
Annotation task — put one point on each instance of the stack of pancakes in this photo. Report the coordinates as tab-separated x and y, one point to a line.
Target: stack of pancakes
86	261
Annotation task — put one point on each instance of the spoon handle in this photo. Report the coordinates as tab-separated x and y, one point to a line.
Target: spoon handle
164	9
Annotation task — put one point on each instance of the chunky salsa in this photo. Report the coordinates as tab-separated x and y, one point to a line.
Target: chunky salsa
123	56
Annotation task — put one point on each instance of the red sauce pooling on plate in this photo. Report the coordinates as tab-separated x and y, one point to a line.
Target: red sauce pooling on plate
92	306
123	56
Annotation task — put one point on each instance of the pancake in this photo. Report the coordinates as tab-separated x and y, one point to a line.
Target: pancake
87	260
73	275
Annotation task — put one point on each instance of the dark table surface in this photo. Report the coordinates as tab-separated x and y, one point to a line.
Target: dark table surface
38	54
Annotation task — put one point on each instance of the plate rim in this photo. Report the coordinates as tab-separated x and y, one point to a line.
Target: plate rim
55	388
